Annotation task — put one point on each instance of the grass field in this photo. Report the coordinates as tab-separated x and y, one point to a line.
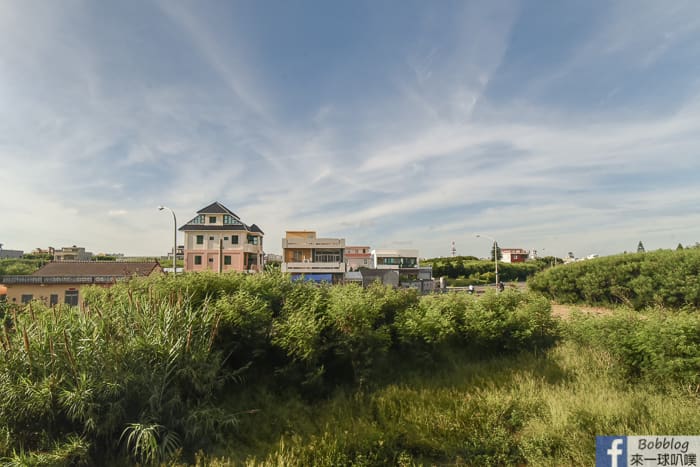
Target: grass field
527	409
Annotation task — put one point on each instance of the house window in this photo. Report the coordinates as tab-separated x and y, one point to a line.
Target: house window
198	220
53	299
26	298
227	260
253	239
230	220
212	219
211	260
211	238
71	297
198	259
234	239
200	239
226	239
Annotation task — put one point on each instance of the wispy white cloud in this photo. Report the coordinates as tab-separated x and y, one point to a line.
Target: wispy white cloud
94	136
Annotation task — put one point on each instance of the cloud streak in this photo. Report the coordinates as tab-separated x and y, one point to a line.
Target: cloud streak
447	125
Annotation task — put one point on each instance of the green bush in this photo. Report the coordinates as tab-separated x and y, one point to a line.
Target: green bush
137	372
18	267
657	346
430	322
508	321
477	271
661	278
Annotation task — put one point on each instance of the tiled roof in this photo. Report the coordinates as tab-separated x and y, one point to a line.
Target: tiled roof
216	208
255	228
197	227
96	268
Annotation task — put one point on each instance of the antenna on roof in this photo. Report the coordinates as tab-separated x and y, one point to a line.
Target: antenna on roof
453	249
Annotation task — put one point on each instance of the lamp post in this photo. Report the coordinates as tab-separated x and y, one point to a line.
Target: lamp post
495	253
160	208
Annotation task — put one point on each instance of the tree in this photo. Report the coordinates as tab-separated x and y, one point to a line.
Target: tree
498	250
679	247
640	247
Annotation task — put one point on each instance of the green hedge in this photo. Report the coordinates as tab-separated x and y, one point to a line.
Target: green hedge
139	371
659	346
661	278
482	271
17	267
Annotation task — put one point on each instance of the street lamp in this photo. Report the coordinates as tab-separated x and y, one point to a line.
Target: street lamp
160	208
495	253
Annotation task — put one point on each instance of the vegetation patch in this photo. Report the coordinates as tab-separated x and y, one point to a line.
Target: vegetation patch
239	369
669	279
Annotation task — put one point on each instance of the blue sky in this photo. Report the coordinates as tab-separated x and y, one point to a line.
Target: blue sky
559	126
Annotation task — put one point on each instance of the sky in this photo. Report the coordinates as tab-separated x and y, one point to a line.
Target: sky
567	126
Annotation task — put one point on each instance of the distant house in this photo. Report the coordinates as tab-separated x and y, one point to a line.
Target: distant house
406	265
10	254
216	239
72	253
514	255
310	258
357	257
60	282
395	259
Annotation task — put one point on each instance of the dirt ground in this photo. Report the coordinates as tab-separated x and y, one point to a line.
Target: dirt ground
564	311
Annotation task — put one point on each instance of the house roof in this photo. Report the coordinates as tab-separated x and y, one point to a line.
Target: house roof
255	228
217	208
97	268
198	227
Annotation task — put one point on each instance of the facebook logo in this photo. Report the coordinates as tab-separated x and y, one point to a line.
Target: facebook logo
611	451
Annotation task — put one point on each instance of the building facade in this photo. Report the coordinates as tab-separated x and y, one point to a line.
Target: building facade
317	259
395	259
10	254
406	264
217	240
61	282
72	253
514	255
357	257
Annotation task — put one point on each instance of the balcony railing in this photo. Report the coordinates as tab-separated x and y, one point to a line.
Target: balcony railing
59	279
313	243
310	268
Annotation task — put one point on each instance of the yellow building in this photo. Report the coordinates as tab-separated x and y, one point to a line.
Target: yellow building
217	240
60	282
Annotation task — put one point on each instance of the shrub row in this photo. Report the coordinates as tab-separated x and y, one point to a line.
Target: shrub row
661	278
656	346
139	369
17	267
481	271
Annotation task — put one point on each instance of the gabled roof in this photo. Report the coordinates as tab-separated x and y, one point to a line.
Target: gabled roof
216	208
95	268
199	227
